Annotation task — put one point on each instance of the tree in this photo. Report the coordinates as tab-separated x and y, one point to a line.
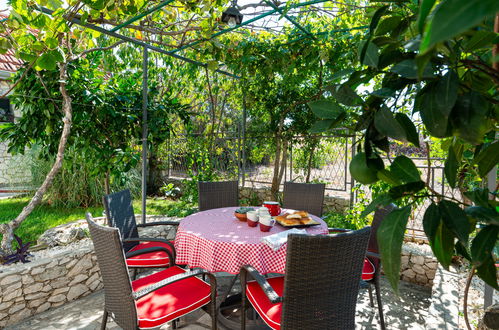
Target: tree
436	60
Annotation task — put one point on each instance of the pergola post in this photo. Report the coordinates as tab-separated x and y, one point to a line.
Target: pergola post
145	58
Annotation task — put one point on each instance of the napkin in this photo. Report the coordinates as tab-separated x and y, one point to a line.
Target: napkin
275	241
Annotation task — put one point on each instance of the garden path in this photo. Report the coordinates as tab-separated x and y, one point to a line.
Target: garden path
408	311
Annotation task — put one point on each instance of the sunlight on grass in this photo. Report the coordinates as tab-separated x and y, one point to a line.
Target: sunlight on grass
45	216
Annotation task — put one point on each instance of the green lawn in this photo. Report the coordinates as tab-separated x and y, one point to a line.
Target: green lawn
45	216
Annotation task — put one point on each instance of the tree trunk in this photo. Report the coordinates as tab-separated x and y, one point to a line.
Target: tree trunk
154	174
274	189
7	229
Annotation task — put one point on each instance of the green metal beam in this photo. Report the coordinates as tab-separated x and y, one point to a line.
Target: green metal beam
273	11
329	32
77	21
136	18
280	11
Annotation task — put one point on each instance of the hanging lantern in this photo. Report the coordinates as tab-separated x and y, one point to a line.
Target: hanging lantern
232	16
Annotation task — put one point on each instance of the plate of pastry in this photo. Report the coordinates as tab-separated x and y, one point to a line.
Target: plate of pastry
296	219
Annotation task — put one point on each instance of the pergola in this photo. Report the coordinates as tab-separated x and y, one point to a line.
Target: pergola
258	18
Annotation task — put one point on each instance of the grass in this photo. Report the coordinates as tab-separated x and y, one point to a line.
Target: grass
46	216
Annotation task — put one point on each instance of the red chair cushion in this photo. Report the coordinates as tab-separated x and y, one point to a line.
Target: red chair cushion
171	301
368	270
151	259
269	312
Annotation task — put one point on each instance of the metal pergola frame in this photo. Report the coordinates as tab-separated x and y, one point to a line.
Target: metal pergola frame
173	53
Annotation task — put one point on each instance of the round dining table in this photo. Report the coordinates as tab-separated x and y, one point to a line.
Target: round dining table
217	241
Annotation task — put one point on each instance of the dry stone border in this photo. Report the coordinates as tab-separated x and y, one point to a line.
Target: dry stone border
418	265
57	275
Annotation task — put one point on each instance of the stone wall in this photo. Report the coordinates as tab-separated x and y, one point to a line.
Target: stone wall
418	265
55	276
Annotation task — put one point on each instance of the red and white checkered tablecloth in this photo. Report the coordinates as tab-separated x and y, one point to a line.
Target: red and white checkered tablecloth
216	241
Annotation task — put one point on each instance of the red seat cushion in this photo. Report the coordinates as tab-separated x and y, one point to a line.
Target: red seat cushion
151	259
269	312
171	301
368	270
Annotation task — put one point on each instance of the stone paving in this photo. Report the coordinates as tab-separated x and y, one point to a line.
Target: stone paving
407	311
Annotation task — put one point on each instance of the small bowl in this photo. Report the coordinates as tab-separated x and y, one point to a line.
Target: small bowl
240	216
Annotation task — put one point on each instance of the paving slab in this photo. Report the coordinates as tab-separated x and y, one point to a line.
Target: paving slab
407	311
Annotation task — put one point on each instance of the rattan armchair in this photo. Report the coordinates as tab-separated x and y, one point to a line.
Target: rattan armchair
213	195
150	301
304	196
372	264
140	252
319	289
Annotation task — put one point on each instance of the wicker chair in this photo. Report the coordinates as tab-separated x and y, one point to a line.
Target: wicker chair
304	196
213	195
150	301
372	263
140	252
320	288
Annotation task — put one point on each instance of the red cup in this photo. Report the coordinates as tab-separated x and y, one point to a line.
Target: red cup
274	208
264	227
251	223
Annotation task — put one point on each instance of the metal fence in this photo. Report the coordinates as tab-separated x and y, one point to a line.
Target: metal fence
254	165
251	161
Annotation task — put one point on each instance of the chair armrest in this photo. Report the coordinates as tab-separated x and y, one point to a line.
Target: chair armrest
139	294
261	280
338	230
148	239
159	223
148	250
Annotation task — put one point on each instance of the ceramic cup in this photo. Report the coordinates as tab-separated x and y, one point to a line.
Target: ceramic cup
263	211
252	218
266	223
274	208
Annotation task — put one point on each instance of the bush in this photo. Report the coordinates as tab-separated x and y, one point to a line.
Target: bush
78	184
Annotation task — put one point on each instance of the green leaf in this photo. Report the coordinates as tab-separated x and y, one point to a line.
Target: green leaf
47	61
383	200
483	243
376	17
478	196
321	126
409	69
387	25
326	109
462	250
446	92
451	167
344	94
487	158
480	39
453	17
51	43
406	189
489	215
469	117
424	10
455	219
212	65
431	221
405	170
488	272
388	177
390	237
443	245
371	57
410	130
427	105
387	125
340	74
